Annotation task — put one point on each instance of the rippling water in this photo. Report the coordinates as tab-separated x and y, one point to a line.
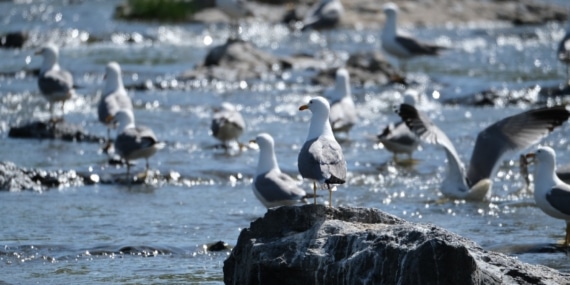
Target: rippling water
156	233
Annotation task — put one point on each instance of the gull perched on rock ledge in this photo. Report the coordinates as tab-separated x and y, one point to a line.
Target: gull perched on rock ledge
321	158
227	124
114	97
55	83
343	112
271	186
400	45
134	142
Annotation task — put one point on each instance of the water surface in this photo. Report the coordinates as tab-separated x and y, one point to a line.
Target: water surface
155	233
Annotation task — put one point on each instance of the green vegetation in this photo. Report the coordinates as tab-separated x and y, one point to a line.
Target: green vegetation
161	10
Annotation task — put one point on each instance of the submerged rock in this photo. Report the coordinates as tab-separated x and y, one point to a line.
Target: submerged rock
364	68
53	130
13	39
14	178
235	60
320	245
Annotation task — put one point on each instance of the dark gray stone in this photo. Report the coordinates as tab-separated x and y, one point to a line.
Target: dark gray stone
236	60
13	39
53	130
320	245
364	68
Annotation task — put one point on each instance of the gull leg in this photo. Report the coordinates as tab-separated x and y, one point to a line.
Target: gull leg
330	195
567	238
108	141
128	171
51	117
567	75
146	169
62	109
315	192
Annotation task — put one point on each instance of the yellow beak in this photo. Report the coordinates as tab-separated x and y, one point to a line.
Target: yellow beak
109	119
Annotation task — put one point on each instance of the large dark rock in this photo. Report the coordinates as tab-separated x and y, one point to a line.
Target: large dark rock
236	60
53	130
320	245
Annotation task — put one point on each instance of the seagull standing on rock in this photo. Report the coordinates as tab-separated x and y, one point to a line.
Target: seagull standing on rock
134	142
114	98
398	138
321	158
343	112
400	45
271	186
551	194
227	124
55	83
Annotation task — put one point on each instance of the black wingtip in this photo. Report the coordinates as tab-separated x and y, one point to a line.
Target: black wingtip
556	115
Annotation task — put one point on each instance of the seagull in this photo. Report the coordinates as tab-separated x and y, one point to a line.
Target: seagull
227	123
398	138
114	98
400	45
321	158
55	83
235	10
551	194
323	15
134	142
513	133
564	51
343	113
271	186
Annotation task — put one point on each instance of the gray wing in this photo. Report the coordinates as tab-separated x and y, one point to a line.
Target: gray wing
274	186
513	133
342	114
399	133
223	117
134	139
55	82
322	159
426	130
415	47
325	14
559	198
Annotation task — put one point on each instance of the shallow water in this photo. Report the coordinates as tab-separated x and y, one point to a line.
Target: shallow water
155	233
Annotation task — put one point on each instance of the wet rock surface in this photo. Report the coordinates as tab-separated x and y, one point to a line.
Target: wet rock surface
13	39
320	245
14	178
53	130
235	60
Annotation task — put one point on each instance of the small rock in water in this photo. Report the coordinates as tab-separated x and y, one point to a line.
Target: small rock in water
53	130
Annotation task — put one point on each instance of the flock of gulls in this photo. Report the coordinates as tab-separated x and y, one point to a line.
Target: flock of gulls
321	158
